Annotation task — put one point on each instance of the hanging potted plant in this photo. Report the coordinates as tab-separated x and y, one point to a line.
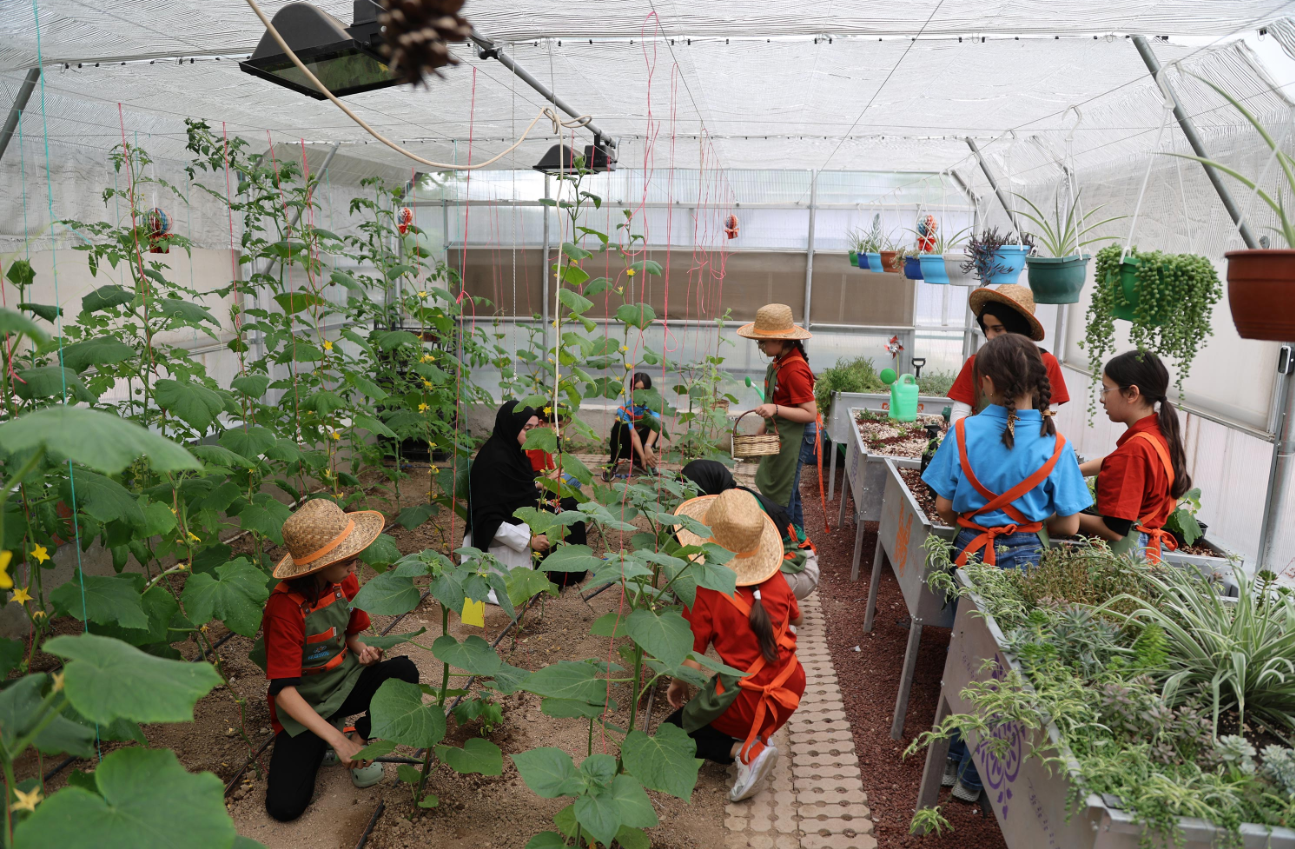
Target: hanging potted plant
870	246
1260	281
854	239
995	258
951	251
907	264
890	253
934	268
1058	275
1167	297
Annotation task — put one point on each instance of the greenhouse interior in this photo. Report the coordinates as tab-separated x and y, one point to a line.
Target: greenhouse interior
579	424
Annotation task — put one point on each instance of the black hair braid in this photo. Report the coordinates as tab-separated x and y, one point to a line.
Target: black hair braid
1043	398
1016	367
763	629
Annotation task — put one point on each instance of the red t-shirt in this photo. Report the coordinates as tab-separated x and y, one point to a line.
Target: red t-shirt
284	629
964	388
541	460
714	619
795	381
1133	482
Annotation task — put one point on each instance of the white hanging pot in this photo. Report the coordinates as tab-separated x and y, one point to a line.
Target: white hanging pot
953	267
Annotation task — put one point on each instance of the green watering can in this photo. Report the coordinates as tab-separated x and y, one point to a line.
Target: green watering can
903	395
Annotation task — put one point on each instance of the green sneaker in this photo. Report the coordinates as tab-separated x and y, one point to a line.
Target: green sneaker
367	776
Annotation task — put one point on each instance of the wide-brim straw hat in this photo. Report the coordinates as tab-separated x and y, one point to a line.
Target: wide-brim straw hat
737	523
773	321
320	534
1018	297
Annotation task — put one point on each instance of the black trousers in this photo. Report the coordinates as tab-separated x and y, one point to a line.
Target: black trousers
576	534
623	442
295	761
711	744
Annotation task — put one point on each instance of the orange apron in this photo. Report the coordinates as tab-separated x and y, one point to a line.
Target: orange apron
1158	538
775	690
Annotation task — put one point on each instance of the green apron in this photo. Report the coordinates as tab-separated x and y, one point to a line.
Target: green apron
774	477
793	557
328	669
709	705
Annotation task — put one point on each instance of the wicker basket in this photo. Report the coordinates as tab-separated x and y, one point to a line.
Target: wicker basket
747	445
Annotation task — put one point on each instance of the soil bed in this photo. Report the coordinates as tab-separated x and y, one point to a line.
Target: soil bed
922	494
887	437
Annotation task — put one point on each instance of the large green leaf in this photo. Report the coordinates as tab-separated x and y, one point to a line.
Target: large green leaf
109	599
388	594
368	387
49	312
251	385
18	713
665	635
636	315
574	301
101	498
106	297
541	438
266	517
160	607
16	322
571	558
393	339
190	401
145	800
235	596
633	803
548	771
219	455
473	654
374	426
99	351
477	756
381	551
295	302
412	517
51	382
182	312
20	273
568	679
250	441
106	679
387	641
665	762
400	714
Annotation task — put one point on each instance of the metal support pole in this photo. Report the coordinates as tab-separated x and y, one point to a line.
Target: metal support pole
809	251
1279	468
19	104
487	49
544	270
989	175
1198	146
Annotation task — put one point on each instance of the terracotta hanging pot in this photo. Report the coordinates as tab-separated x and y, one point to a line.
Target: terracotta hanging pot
1260	289
888	262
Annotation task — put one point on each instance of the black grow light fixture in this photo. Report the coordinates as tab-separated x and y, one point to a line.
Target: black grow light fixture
560	159
348	60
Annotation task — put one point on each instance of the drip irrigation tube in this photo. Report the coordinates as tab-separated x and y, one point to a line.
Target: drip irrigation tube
373	821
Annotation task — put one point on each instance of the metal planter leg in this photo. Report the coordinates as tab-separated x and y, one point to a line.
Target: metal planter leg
928	792
845	490
831	474
906	679
858	541
878	563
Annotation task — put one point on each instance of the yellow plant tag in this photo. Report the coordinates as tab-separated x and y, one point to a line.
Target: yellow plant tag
474	613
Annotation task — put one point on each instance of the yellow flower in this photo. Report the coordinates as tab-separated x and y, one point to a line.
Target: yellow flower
21	595
422	408
26	801
38	614
629	272
180	567
328	346
203	628
548	411
5	581
623	349
38	552
427	383
629	366
422	294
335	434
428	358
58	681
192	537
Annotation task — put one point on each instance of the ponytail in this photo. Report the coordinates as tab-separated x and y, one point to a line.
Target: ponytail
763	628
1144	370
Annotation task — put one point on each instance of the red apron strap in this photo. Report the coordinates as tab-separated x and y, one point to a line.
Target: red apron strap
1158	538
985	540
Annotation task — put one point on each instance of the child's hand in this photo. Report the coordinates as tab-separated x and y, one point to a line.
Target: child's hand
366	654
766	411
347	748
677	694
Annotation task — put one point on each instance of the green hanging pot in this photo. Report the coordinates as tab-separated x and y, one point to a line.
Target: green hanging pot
1057	280
854	258
1128	282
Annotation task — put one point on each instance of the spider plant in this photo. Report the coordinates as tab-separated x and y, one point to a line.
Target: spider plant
870	240
1287	164
1058	233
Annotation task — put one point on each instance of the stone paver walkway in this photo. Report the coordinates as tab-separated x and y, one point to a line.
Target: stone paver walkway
815	799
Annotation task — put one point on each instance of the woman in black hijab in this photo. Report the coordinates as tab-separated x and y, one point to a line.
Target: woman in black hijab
502	481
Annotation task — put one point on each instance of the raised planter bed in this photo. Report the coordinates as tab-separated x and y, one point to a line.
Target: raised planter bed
1211	560
905	526
1031	799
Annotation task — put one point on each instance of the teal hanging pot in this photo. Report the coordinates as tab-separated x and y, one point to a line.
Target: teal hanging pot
933	270
874	261
1057	280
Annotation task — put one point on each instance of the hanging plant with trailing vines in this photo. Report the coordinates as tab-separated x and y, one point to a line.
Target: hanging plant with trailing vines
1176	294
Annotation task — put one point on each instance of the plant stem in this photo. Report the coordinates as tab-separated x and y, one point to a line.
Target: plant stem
638	669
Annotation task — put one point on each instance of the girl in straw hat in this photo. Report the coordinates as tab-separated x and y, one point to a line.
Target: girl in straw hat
734	717
1007	309
789	406
320	671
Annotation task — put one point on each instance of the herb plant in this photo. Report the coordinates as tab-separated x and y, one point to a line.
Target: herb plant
1062	236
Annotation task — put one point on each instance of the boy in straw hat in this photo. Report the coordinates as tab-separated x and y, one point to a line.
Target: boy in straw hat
789	406
734	717
1006	309
320	671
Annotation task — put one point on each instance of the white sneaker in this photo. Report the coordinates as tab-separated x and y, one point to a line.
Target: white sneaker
750	776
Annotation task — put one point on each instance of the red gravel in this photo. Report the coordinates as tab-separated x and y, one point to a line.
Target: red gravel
869	680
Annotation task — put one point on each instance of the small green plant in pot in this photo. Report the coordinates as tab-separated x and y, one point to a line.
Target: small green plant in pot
1057	275
855	240
1260	281
1168	298
870	242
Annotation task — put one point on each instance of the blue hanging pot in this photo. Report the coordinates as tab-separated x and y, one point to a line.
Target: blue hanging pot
874	261
933	270
912	268
1011	259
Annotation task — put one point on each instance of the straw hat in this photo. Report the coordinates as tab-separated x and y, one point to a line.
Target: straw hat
773	321
1018	297
737	523
320	534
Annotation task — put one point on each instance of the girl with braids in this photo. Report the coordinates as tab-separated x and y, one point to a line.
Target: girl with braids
1140	482
1006	309
733	717
1001	476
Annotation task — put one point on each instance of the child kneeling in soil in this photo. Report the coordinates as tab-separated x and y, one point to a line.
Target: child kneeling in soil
320	671
1001	476
734	718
